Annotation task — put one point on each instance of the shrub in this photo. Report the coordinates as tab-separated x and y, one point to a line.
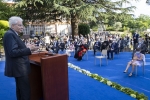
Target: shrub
110	29
83	29
95	28
4	24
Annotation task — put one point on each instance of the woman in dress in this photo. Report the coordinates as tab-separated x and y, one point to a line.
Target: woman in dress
137	60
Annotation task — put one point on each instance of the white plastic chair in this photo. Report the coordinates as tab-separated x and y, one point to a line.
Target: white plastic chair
103	55
141	65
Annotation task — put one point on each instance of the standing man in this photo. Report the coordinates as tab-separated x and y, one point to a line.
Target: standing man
135	39
110	50
17	62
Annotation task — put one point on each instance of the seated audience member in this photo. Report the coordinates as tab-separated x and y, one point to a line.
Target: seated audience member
77	43
82	50
96	46
70	48
140	45
47	40
55	46
110	50
62	45
104	46
137	60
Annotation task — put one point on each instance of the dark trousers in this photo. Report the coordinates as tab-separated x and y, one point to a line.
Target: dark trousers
110	52
96	49
22	88
116	51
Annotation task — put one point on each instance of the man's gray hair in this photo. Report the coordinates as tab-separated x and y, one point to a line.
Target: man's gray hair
14	20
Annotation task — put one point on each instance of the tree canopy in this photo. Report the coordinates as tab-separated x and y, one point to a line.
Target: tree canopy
73	11
6	11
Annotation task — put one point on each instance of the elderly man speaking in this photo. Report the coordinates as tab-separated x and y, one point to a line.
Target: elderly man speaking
17	62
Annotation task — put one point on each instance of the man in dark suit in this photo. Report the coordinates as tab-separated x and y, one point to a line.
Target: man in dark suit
135	39
55	46
97	46
110	50
116	47
62	45
17	62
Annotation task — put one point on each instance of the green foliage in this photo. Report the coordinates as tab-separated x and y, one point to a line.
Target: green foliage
4	24
74	11
142	34
2	32
6	11
3	28
110	29
121	30
93	26
123	35
117	25
83	29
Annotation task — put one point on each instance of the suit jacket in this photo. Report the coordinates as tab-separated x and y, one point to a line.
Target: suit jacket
17	61
97	44
142	47
110	47
135	38
115	46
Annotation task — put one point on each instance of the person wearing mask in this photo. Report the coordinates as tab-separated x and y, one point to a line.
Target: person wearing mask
135	39
97	45
82	50
110	50
17	63
136	60
115	47
140	45
77	43
47	40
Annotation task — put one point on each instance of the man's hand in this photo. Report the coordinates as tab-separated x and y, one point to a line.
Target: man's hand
32	47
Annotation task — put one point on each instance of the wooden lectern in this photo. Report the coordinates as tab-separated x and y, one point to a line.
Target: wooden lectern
49	76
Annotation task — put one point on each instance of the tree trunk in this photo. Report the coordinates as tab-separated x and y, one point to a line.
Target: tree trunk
74	25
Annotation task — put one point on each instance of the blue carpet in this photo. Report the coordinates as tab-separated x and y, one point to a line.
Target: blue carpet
7	85
82	87
114	71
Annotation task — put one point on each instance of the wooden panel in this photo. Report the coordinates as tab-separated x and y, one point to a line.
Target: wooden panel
49	76
36	82
55	77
